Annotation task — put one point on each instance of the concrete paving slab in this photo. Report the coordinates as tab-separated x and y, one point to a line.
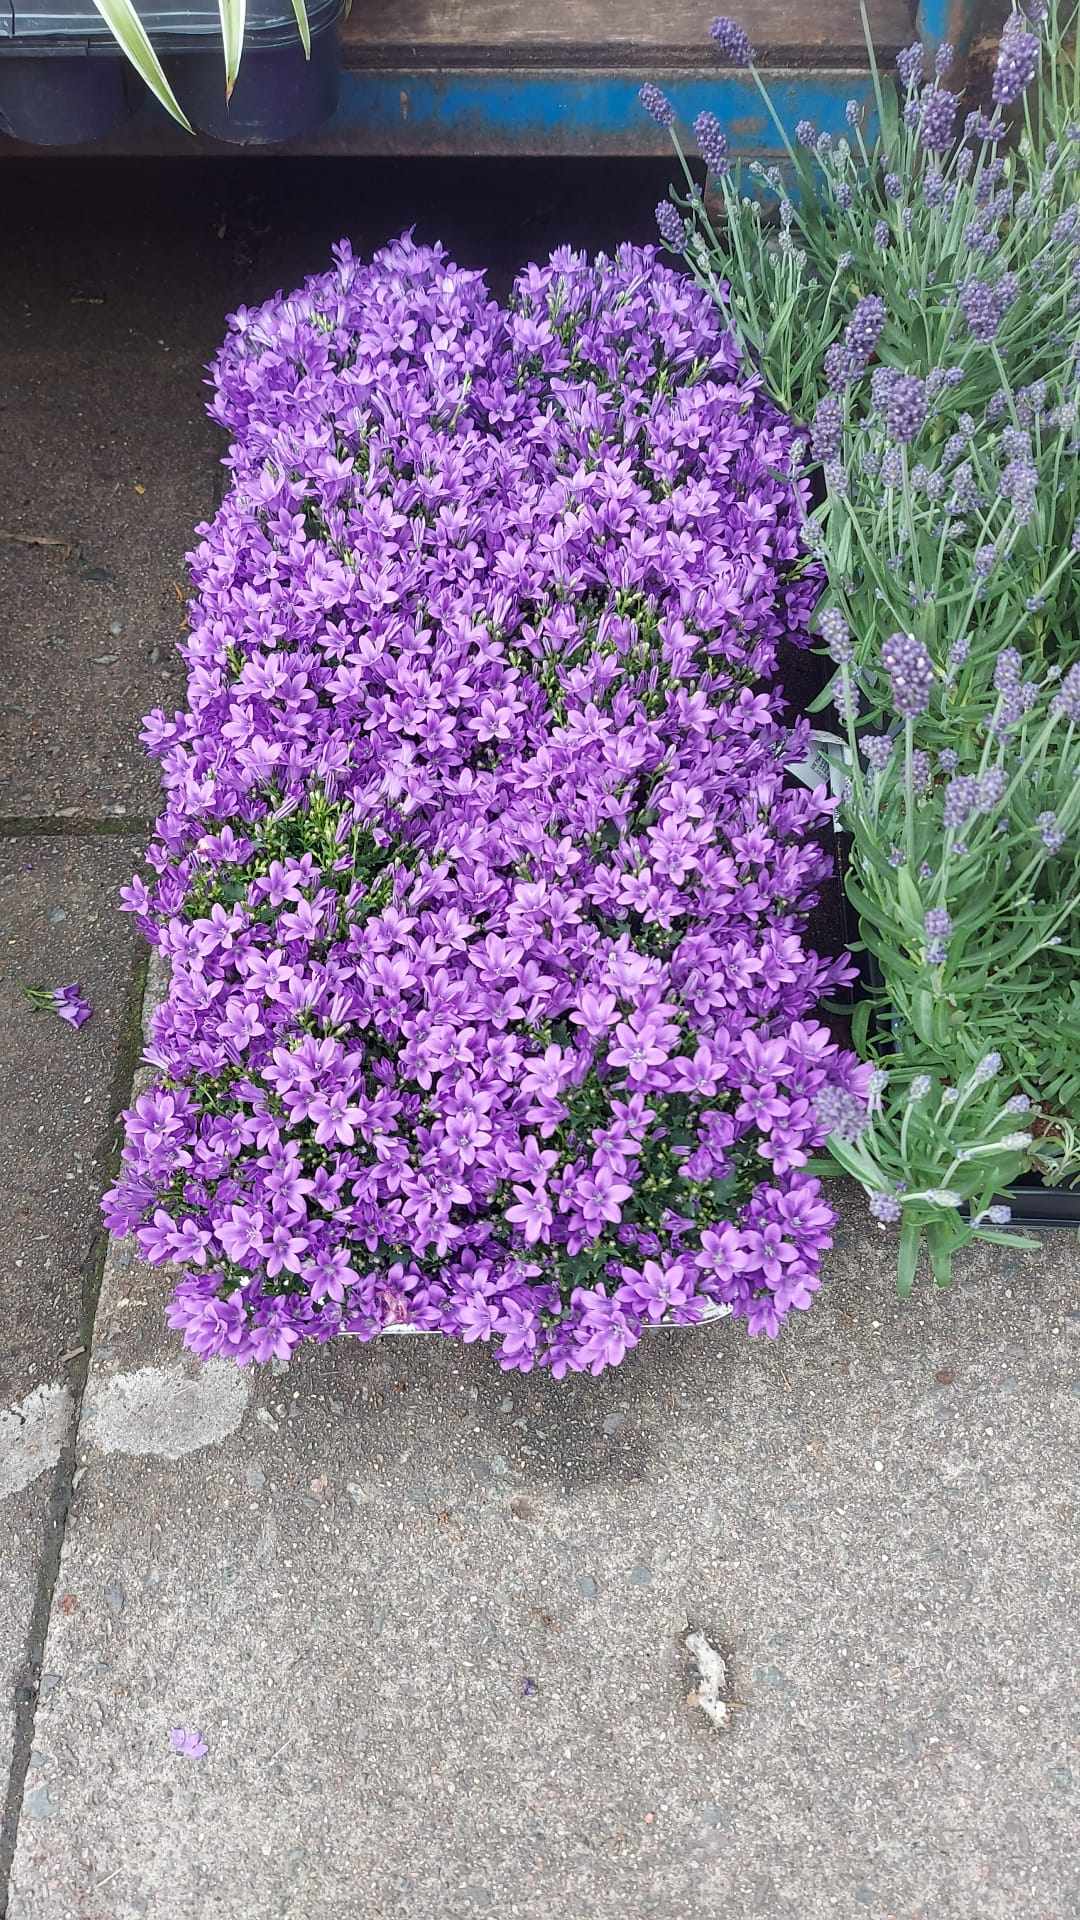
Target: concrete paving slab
57	924
95	611
430	1623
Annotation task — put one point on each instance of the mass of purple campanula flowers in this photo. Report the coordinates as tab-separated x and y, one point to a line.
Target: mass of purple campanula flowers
480	880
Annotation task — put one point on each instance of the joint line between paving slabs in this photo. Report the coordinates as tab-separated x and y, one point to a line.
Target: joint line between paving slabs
129	1051
54	826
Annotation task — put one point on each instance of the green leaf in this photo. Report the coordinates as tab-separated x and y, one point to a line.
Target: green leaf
999	1238
860	1025
131	37
908	1259
922	1016
300	11
908	895
233	14
941	1243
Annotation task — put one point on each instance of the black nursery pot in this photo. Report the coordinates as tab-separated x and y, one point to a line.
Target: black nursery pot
63	80
57	98
278	94
1033	1203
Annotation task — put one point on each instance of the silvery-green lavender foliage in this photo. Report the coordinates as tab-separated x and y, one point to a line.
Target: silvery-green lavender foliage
915	300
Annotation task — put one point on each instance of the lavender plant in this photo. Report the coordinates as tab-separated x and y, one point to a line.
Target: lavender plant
914	298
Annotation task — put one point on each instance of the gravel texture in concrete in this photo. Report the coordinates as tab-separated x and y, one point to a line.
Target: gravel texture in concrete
57	924
430	1622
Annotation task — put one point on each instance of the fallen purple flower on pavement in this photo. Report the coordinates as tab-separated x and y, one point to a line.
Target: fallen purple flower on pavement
189	1742
68	1002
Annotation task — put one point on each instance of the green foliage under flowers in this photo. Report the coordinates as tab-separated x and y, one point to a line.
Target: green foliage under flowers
949	526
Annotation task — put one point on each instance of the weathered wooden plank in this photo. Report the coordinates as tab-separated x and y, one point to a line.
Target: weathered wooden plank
539	111
609	33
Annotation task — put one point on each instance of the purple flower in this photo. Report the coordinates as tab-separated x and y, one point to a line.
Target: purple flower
656	104
806	134
840	1112
911	673
1017	62
1050	833
961	800
1019	486
833	629
732	41
863	330
982	310
68	1002
905	407
909	66
189	1742
827	430
937	119
436	982
1066	702
990	789
938	923
671	225
882	235
712	143
841	365
885	1208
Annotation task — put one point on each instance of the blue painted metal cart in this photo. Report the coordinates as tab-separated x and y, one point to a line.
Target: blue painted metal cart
514	77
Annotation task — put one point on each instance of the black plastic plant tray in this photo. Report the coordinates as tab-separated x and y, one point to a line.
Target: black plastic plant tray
1033	1203
63	80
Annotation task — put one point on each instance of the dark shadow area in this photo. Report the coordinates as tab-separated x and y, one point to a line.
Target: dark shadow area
116	229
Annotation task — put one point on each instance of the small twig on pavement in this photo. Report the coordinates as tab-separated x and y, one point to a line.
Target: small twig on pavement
32	539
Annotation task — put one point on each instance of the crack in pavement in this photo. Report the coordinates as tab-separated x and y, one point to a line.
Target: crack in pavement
129	1048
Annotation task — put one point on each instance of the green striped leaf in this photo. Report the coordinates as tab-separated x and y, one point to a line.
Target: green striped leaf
300	11
131	37
233	14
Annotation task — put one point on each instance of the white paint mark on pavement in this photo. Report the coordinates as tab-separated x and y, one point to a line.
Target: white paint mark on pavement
165	1410
31	1436
712	1686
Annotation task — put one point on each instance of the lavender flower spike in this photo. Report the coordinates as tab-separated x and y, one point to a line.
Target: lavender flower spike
911	673
1066	701
909	65
905	407
937	119
732	40
1017	62
712	143
657	105
671	226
